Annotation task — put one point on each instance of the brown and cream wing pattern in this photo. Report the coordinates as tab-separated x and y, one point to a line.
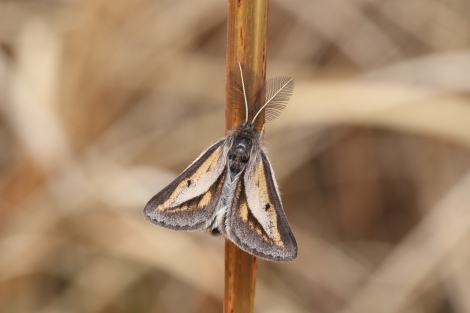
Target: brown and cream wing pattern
190	200
256	221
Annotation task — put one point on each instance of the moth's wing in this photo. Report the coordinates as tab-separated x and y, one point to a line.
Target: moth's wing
189	201
256	220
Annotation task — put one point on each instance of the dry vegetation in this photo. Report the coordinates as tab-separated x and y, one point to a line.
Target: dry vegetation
103	102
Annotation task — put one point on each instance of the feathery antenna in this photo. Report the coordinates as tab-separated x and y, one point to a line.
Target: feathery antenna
278	92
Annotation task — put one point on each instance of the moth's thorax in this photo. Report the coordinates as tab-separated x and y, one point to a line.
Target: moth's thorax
243	140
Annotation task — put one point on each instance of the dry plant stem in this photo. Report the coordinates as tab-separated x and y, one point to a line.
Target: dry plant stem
246	43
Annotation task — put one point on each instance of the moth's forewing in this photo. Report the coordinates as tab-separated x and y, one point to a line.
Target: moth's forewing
189	201
256	221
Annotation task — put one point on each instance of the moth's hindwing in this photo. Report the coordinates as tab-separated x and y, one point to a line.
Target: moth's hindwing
189	201
256	221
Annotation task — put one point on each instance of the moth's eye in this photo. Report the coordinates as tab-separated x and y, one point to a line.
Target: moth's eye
267	206
189	183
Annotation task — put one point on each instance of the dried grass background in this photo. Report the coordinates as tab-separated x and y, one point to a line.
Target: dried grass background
104	102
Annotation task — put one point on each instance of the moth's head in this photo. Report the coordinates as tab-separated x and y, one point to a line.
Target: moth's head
247	128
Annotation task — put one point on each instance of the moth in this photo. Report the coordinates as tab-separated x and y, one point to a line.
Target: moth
230	188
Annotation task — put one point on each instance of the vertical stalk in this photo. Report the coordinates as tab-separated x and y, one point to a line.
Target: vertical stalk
246	43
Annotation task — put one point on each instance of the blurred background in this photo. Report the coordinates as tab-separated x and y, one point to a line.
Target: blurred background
104	102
